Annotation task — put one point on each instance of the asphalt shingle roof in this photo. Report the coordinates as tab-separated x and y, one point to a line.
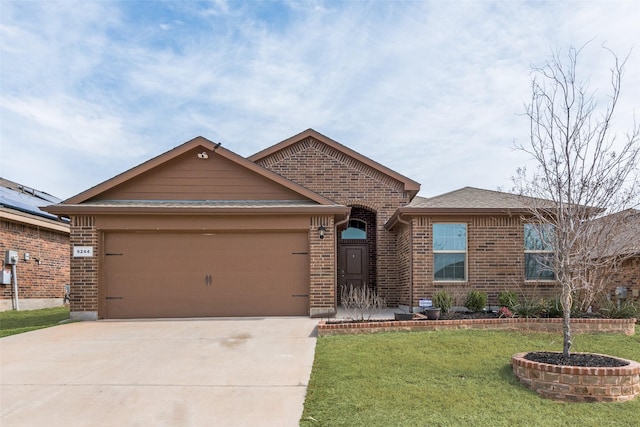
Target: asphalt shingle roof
472	198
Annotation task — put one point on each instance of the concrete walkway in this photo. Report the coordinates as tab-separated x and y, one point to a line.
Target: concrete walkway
195	372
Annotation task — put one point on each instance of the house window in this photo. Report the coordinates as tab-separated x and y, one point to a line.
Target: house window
357	230
538	252
450	252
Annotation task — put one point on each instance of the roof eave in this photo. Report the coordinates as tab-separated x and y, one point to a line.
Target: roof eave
66	210
413	211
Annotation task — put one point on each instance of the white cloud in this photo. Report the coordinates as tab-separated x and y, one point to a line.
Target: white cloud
431	89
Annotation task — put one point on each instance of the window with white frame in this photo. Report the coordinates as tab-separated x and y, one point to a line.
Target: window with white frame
450	252
538	252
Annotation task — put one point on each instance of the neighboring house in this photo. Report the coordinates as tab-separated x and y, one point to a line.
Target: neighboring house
41	243
201	231
622	242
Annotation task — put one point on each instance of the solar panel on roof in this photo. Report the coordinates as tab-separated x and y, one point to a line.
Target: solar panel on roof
26	202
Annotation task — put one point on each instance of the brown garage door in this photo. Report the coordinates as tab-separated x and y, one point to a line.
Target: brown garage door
205	274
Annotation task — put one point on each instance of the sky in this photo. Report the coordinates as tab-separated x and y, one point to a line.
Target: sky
435	90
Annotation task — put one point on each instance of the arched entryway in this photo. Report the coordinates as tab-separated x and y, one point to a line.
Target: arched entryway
357	249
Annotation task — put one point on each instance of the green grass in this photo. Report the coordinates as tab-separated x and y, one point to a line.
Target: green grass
449	378
17	322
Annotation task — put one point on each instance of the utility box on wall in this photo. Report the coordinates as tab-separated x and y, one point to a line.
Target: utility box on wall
10	257
6	277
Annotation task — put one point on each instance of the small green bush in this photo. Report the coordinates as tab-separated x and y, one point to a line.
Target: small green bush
476	300
530	306
553	307
508	299
626	310
444	300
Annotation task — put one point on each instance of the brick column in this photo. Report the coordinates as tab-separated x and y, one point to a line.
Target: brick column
84	270
322	258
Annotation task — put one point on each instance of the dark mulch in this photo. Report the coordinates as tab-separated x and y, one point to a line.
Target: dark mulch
455	315
586	360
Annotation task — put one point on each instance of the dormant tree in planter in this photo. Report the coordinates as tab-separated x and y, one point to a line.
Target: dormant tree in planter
585	181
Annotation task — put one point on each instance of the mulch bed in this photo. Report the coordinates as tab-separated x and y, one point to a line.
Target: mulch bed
575	359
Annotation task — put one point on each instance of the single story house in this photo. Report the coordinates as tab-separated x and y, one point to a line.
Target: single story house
622	243
202	231
39	242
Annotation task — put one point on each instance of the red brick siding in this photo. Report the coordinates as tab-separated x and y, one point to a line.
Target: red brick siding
628	275
45	279
404	263
84	270
495	259
322	295
349	182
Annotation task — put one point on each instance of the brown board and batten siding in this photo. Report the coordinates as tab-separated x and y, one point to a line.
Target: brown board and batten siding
189	177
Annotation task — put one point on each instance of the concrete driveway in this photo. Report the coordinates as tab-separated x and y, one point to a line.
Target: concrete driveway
195	372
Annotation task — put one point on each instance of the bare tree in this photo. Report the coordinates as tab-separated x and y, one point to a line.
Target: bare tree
583	175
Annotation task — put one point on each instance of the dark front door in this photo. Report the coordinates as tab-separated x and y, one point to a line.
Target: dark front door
354	265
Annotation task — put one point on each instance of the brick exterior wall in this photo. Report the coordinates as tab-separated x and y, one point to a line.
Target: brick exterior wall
322	296
349	182
628	275
42	278
495	259
84	270
405	260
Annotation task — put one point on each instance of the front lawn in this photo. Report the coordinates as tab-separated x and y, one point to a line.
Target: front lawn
16	322
449	378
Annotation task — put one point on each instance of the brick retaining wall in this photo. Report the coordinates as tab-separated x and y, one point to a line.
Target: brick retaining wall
578	326
578	384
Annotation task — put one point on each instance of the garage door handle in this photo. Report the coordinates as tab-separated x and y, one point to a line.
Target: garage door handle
300	295
208	280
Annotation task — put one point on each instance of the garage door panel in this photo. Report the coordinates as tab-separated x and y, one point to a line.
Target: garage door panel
191	275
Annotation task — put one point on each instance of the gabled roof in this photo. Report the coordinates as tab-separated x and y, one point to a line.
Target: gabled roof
468	201
409	185
89	198
619	233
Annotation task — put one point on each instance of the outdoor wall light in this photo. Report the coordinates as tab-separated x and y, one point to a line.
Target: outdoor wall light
321	231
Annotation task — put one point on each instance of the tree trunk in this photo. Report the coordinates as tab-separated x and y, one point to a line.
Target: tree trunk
566	318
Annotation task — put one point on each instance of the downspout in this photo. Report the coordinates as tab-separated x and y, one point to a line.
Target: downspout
410	224
14	279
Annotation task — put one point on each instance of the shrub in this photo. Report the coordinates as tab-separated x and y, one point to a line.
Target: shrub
362	301
476	300
553	307
444	300
530	306
624	310
508	299
505	312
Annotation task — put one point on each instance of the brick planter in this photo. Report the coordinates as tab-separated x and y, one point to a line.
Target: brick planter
578	384
578	326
